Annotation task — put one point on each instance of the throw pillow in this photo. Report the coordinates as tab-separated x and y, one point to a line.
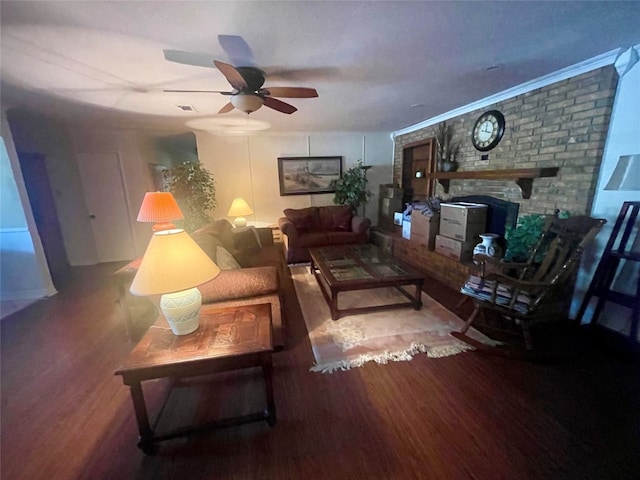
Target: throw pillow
304	219
247	239
225	260
207	242
336	218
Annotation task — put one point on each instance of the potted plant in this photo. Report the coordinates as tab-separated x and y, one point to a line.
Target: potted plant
195	191
447	148
351	189
521	239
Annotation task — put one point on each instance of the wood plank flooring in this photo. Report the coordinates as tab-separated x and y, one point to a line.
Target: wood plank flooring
470	416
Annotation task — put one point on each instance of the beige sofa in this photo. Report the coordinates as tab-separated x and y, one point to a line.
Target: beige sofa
254	279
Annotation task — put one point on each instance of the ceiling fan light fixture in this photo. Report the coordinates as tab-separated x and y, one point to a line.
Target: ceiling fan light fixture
247	102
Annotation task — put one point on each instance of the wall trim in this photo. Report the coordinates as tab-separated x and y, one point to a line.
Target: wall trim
594	63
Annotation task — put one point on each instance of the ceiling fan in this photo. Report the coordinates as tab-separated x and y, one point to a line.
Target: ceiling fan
248	93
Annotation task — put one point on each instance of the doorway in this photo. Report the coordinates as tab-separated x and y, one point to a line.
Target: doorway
36	179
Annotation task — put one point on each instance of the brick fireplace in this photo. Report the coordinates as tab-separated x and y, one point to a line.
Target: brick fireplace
562	125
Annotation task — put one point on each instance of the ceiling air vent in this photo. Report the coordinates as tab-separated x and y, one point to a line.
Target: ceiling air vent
186	108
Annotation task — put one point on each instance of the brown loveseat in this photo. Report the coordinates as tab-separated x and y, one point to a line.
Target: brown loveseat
258	278
320	226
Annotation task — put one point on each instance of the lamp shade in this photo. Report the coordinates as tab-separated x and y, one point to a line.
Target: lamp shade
626	175
239	208
246	102
172	262
161	208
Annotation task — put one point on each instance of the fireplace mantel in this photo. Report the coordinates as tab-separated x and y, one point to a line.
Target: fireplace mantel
522	176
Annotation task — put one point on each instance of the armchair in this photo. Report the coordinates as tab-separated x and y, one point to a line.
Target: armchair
532	291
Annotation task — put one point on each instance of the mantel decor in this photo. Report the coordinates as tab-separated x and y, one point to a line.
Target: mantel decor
308	175
447	148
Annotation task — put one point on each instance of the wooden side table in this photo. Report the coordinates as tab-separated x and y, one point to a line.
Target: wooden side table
227	339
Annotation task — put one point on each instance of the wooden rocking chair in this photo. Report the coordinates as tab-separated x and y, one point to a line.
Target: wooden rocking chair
536	290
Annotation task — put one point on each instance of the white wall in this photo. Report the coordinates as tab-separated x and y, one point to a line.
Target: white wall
24	275
623	139
248	167
134	149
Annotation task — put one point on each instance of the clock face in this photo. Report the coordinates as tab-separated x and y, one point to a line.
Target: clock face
488	130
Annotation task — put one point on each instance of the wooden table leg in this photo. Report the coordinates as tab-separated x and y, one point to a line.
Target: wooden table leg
335	314
267	372
418	302
145	442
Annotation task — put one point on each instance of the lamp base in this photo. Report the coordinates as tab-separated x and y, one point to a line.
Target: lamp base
240	222
182	310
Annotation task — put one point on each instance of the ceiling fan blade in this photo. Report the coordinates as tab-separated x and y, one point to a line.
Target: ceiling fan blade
197	91
189	58
292	92
227	108
279	105
232	75
237	50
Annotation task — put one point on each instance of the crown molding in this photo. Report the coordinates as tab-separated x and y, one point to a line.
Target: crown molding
608	58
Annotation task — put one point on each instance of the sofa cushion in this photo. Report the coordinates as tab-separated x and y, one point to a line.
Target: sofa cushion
247	238
312	239
335	218
221	229
208	242
304	219
246	282
342	238
225	260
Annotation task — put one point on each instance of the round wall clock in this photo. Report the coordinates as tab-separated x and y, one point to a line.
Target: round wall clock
488	130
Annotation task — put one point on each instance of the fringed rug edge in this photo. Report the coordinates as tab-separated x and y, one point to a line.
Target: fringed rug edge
398	356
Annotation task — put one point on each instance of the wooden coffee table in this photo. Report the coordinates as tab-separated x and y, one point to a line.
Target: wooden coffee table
345	268
227	339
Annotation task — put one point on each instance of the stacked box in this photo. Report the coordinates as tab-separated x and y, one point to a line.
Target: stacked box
461	224
424	229
455	249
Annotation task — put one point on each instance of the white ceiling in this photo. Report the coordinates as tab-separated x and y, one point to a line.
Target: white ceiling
377	66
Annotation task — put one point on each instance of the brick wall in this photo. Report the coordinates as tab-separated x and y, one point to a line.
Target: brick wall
561	125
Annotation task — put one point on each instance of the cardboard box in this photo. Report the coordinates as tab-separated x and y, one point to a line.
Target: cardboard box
397	218
455	249
463	221
424	229
406	229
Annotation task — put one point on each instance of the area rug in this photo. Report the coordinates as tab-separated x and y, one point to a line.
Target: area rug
389	335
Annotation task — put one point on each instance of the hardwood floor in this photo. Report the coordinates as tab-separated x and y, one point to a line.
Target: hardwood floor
470	416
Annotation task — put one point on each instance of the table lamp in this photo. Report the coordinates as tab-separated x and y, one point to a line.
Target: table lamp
172	266
161	208
239	208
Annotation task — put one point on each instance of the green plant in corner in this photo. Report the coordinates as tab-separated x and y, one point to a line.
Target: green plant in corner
195	191
351	189
521	239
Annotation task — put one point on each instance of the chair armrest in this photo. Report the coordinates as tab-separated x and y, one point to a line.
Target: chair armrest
288	228
360	225
491	264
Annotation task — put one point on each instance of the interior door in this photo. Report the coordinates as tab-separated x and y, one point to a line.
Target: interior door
105	193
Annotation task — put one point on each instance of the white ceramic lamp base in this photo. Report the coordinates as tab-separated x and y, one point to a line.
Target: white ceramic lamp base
240	222
182	310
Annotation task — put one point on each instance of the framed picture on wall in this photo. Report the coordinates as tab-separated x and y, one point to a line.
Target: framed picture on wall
308	175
